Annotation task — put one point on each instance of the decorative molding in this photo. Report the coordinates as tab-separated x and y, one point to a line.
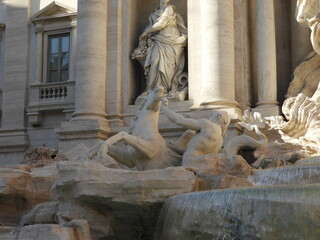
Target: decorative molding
52	11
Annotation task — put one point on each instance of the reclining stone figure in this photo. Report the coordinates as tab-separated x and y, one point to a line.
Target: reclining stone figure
205	136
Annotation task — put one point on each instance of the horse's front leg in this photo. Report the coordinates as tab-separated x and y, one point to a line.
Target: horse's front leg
104	148
145	147
141	145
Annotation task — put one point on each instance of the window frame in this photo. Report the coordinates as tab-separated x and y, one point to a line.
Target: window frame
59	67
45	53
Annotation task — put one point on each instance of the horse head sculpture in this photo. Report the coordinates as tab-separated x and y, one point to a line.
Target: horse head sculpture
144	148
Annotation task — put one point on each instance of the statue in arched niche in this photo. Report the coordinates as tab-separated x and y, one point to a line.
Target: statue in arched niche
305	76
161	50
308	15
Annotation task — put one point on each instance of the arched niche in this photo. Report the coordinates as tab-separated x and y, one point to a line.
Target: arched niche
140	16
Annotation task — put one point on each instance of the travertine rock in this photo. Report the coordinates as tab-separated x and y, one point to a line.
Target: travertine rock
208	181
53	232
20	190
91	180
8	233
117	202
277	154
43	213
76	152
220	164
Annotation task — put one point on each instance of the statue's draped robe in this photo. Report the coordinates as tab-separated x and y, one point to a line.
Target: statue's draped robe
165	56
308	14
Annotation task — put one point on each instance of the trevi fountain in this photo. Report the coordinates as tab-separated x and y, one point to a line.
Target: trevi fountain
251	177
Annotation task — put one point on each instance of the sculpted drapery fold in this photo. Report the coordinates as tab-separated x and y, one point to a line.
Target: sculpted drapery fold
162	45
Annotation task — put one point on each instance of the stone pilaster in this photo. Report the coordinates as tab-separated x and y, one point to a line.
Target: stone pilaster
39	33
91	60
2	28
89	124
194	51
13	138
265	57
118	67
242	54
217	48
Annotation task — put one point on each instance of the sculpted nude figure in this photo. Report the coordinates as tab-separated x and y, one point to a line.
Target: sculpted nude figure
207	135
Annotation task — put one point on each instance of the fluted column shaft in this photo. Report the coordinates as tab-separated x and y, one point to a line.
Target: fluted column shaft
91	60
217	43
266	69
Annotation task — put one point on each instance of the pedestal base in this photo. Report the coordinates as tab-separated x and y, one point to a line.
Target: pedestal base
87	132
13	144
267	110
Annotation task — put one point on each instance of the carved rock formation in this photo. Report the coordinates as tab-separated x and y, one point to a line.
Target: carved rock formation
21	188
302	124
250	122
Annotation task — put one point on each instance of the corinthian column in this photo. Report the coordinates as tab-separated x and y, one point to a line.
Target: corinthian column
266	70
89	124
91	60
217	44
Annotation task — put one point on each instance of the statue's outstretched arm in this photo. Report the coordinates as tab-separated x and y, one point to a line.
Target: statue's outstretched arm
178	119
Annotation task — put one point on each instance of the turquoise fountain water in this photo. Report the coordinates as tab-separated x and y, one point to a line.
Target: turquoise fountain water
286	205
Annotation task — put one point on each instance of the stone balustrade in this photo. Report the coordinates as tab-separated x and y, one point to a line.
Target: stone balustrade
50	97
53	93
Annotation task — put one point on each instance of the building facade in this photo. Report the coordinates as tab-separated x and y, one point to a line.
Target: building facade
66	75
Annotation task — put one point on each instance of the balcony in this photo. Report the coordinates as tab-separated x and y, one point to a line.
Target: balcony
50	97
